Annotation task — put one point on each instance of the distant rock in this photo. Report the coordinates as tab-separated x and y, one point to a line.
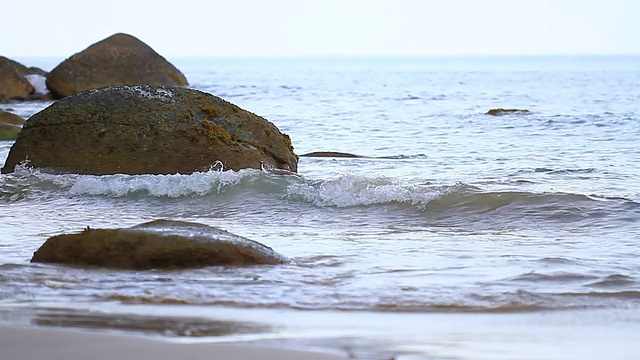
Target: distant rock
146	129
13	84
33	70
117	60
330	154
18	82
20	69
159	244
501	111
10	125
10	118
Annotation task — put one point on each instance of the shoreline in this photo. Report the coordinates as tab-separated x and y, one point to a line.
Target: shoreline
570	335
19	343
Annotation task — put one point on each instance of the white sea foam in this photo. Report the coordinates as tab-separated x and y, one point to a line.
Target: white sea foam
175	185
343	191
158	94
346	190
38	82
119	185
357	190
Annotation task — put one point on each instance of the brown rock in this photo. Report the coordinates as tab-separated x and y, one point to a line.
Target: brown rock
21	69
330	154
13	84
501	111
10	125
33	70
146	129
117	60
156	244
9	118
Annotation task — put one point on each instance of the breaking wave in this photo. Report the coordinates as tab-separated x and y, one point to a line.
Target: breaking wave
342	191
120	185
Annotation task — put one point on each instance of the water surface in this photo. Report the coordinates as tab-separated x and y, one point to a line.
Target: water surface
457	235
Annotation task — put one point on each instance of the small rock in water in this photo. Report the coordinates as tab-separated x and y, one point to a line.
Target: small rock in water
335	154
155	245
501	111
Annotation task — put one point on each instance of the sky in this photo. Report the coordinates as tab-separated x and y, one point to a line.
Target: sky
298	28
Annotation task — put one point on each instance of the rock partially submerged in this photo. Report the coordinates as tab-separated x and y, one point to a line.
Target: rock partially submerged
501	111
10	125
117	60
147	129
334	154
158	244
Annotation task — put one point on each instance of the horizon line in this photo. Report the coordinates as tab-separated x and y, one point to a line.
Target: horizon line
345	56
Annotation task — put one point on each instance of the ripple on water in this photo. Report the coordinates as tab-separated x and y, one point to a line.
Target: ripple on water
615	280
558	276
558	261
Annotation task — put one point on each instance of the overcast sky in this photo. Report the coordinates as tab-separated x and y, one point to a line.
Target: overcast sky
325	27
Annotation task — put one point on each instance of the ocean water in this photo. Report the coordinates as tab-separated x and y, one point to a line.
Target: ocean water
457	235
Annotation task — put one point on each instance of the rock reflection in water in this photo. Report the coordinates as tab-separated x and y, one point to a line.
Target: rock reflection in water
172	327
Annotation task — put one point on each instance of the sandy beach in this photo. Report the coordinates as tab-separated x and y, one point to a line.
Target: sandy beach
62	344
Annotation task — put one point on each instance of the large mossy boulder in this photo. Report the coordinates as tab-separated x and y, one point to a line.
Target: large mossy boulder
158	244
13	83
10	125
120	59
146	129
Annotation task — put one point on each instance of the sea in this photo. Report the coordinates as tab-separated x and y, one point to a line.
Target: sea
454	235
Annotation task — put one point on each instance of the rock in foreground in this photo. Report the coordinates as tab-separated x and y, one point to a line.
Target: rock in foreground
148	130
157	244
117	60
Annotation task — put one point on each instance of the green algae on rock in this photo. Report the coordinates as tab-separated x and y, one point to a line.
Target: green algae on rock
158	244
146	129
10	125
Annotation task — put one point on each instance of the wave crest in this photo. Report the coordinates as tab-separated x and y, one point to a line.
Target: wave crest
455	202
359	190
119	185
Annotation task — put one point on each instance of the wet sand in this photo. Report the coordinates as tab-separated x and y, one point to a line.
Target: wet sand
62	344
